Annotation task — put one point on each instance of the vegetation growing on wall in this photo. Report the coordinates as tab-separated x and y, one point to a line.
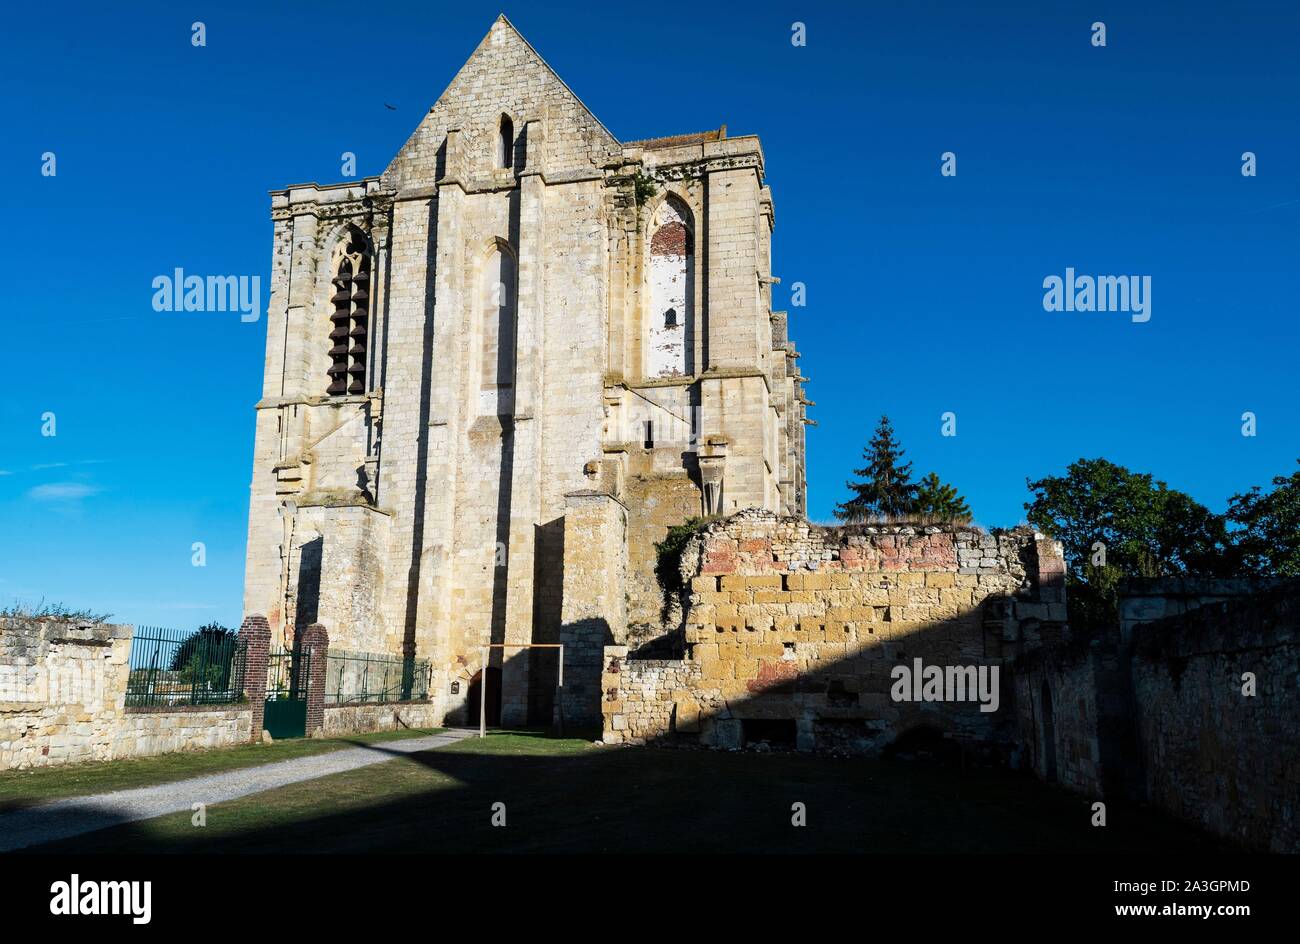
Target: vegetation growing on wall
644	187
59	611
668	554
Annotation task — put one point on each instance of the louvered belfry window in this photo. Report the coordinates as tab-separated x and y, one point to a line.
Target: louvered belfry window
350	316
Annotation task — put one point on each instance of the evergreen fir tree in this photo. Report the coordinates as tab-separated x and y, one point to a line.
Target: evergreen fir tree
936	501
885	489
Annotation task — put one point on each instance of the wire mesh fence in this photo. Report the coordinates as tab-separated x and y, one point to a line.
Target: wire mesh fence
174	667
375	678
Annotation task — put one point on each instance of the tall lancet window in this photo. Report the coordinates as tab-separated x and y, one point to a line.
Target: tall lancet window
506	143
350	315
499	307
670	327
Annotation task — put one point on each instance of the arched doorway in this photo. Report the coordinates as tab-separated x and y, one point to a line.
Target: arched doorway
493	697
1049	735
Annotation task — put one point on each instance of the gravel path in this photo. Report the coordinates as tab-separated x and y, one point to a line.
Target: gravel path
60	819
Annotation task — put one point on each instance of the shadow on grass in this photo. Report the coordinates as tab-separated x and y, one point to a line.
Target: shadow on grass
568	796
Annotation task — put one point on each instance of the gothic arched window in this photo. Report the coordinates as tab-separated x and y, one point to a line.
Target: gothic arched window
670	335
506	143
350	315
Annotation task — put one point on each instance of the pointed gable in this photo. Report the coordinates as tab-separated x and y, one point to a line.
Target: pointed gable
504	76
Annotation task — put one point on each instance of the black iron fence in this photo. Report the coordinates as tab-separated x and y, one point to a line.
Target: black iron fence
375	678
173	667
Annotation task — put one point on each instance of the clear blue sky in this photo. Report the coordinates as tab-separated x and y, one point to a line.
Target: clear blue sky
924	292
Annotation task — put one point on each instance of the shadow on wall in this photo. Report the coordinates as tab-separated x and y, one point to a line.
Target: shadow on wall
307	601
856	690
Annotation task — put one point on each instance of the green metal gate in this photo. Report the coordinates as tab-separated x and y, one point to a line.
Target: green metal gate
287	672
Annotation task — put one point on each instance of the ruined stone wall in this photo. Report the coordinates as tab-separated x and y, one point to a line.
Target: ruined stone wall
1211	753
803	625
657	499
62	696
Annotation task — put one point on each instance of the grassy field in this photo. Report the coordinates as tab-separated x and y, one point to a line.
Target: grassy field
572	796
24	787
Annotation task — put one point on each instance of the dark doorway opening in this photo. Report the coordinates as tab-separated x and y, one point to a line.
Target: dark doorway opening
493	694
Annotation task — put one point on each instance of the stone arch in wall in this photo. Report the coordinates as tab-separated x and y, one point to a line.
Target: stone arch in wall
497	304
505	143
670	329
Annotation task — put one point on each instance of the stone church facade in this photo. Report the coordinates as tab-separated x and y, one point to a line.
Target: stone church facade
495	375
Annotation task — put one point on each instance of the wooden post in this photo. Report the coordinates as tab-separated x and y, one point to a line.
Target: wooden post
482	695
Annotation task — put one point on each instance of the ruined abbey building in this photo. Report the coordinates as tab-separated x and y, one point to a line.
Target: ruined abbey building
497	373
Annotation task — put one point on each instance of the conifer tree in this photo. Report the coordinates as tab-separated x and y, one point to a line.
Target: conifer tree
884	489
937	501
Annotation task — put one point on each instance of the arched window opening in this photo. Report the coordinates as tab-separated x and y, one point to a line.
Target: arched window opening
670	332
506	143
350	316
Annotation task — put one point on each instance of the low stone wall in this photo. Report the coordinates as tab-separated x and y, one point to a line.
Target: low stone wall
648	698
143	732
1212	753
804	626
61	690
362	719
63	693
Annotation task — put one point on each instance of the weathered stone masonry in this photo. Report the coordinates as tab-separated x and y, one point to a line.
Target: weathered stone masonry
798	624
500	330
62	697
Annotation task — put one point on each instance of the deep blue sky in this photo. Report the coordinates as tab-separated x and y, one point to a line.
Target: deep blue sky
924	292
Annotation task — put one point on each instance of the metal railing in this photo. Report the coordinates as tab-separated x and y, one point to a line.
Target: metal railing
375	678
174	667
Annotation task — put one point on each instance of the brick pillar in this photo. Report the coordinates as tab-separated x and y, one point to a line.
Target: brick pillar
256	634
315	639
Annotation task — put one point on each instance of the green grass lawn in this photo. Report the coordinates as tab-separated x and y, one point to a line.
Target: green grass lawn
571	796
24	787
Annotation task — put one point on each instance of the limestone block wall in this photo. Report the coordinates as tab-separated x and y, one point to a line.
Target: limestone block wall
359	719
144	732
61	690
801	625
1211	753
62	697
643	699
594	613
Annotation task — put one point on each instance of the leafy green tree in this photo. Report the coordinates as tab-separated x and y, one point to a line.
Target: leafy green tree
206	656
1145	527
1268	539
885	488
1115	524
937	501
